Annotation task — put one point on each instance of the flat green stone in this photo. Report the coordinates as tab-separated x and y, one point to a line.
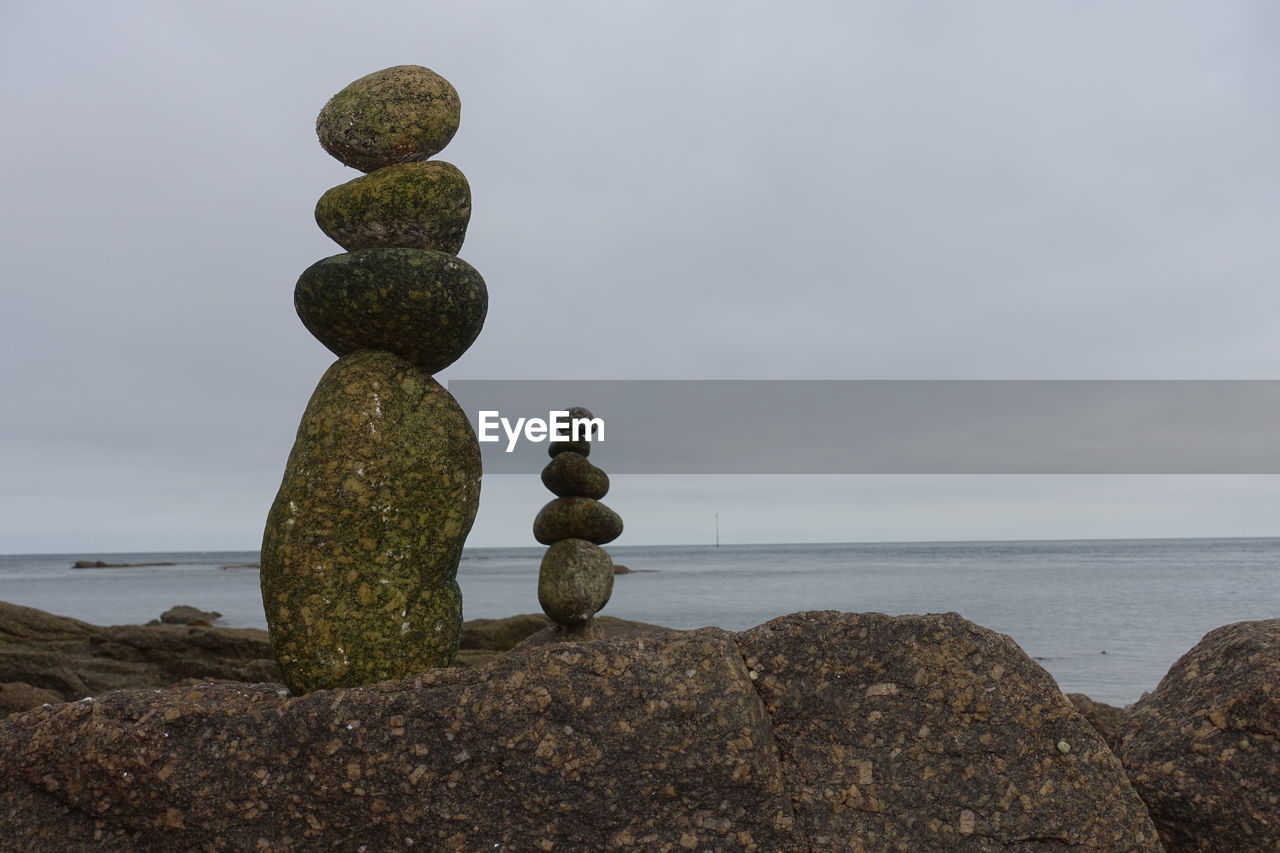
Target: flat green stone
574	581
410	205
396	115
576	518
361	547
425	306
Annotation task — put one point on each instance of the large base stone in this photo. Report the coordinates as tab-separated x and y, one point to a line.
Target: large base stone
817	731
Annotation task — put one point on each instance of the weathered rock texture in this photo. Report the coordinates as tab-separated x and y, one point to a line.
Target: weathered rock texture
813	732
411	205
1203	749
1104	718
575	580
395	115
426	307
72	659
576	518
572	475
362	544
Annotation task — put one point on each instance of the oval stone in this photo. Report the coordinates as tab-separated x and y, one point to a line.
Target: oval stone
396	115
410	205
581	446
575	581
570	475
362	543
576	518
425	306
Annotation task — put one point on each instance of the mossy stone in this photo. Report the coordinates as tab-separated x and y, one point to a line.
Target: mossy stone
410	205
576	518
575	581
582	446
570	475
396	115
362	544
425	306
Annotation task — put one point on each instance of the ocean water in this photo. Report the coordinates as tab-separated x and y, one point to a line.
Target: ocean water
1104	617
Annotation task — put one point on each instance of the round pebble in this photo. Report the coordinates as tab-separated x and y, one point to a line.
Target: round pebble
395	115
426	307
582	447
407	206
575	581
570	475
576	518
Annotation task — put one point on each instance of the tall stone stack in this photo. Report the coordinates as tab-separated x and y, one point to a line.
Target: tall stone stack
361	549
576	576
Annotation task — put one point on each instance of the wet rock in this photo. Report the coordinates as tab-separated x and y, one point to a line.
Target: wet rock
362	544
1203	749
571	474
576	518
396	115
932	733
814	732
410	205
186	615
426	307
575	580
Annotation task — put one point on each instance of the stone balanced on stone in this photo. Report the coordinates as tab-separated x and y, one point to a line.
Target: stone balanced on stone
576	577
361	549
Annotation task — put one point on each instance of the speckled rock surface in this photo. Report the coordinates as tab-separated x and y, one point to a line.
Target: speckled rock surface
817	731
1104	718
572	475
574	581
593	747
426	307
410	205
582	446
930	733
576	518
396	115
362	544
1203	749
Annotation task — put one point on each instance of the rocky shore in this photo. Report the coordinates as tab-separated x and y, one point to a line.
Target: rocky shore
816	731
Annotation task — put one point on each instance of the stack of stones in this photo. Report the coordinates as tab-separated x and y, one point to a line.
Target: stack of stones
362	544
576	578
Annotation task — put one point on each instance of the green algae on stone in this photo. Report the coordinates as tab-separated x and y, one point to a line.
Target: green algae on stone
575	581
570	475
422	205
425	306
396	115
576	518
361	548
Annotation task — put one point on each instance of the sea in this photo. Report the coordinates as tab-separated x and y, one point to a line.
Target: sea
1104	617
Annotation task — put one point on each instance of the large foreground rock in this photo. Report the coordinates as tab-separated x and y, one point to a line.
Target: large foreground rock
817	731
1203	749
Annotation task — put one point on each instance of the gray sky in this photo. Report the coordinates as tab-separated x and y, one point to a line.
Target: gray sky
673	190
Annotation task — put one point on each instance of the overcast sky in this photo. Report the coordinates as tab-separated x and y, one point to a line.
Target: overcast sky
661	190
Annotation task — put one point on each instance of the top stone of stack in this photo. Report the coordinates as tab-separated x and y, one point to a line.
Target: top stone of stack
397	115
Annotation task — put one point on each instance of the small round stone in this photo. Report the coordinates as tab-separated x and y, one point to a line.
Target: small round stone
575	581
407	206
396	115
576	518
582	446
570	475
426	307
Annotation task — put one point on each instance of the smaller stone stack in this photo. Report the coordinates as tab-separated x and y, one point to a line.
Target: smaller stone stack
576	578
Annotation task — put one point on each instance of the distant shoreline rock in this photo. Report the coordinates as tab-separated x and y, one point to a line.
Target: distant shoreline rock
99	564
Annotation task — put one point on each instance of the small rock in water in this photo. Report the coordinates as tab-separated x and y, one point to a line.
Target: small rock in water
186	615
575	581
396	115
422	205
572	475
576	518
426	307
